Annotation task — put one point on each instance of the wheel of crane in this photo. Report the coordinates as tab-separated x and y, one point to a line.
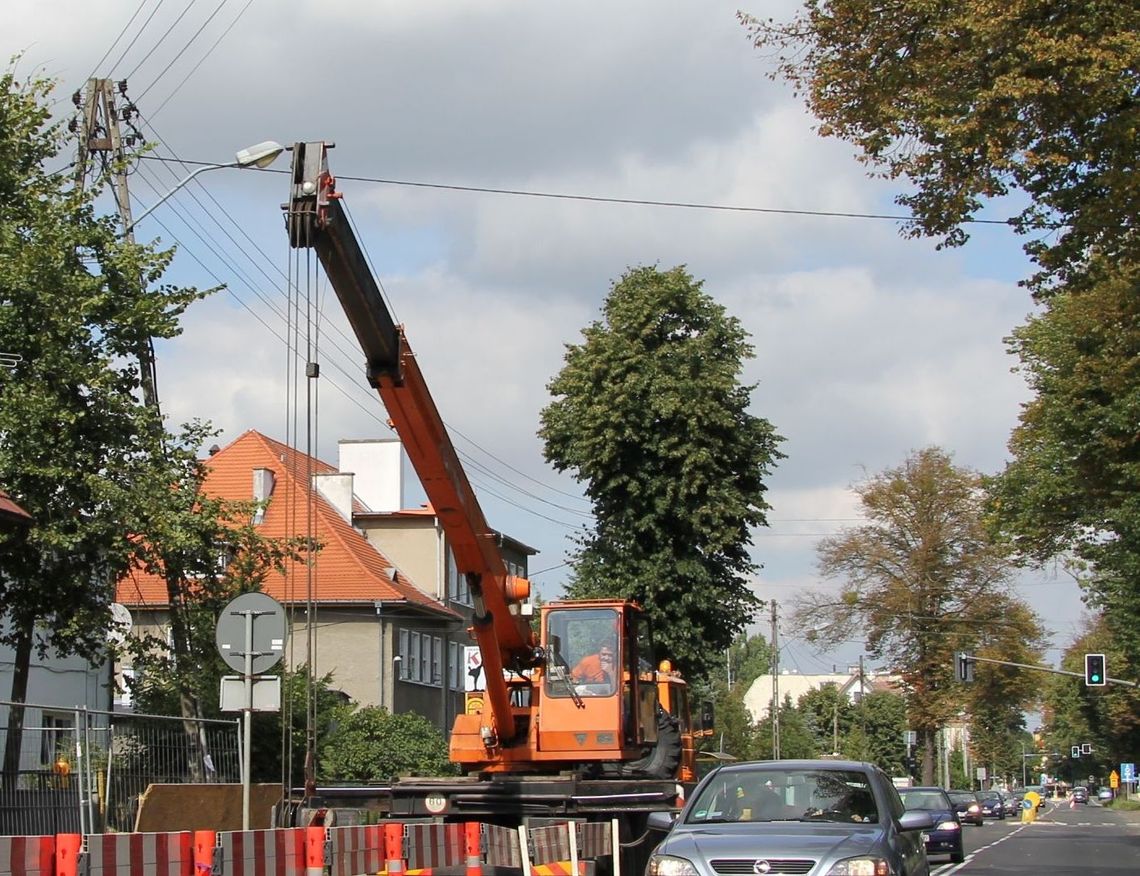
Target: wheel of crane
664	759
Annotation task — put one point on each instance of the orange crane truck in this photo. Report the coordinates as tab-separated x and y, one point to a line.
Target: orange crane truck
544	739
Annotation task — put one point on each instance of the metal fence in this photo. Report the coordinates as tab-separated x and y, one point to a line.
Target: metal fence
83	770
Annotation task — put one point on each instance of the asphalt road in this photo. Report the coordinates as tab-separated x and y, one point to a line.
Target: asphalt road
1087	841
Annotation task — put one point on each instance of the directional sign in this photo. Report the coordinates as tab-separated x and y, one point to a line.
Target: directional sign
1128	772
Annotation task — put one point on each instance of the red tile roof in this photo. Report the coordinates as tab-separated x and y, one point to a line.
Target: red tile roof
348	569
11	512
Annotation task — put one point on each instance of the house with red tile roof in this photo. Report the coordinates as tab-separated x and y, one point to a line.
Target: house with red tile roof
387	614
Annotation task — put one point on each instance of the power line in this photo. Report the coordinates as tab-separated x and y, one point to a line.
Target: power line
638	202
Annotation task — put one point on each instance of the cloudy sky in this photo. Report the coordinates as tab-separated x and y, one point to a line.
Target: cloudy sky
454	122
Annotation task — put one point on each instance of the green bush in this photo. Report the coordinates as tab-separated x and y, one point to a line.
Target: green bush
373	745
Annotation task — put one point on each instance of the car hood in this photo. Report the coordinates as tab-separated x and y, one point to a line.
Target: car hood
780	839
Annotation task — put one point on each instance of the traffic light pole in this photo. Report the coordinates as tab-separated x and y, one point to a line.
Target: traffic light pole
970	658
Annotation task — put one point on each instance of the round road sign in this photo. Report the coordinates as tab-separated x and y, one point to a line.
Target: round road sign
267	643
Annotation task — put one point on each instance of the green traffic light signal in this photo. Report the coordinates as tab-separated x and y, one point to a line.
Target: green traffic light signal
1095	670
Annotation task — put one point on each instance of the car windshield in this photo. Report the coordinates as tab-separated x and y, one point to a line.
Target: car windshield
963	797
785	794
917	799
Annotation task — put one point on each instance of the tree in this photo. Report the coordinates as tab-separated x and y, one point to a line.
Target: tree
881	720
735	732
1107	718
373	745
919	580
827	715
1073	487
973	101
648	412
71	430
208	551
998	695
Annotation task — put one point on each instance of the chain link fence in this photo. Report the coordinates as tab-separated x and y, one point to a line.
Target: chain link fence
83	771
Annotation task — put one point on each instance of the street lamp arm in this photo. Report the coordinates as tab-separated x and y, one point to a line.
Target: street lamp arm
261	156
186	179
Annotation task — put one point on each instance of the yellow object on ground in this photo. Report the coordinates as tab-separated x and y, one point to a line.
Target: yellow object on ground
1029	806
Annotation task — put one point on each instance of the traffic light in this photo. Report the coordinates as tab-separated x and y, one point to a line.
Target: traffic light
1094	670
964	666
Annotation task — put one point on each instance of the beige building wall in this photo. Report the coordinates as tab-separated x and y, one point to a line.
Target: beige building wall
414	545
350	644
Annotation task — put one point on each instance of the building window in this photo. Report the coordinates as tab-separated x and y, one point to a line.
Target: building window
457	590
405	652
124	697
57	739
454	666
421	658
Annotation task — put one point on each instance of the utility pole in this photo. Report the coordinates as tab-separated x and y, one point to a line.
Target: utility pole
98	134
775	686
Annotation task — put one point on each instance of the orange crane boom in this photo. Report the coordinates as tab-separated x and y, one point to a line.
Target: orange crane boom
316	219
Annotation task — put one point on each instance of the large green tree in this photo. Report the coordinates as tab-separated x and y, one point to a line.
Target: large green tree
650	415
920	580
72	313
1073	487
1108	718
976	100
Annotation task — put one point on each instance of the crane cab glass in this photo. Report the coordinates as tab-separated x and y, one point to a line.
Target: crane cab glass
584	653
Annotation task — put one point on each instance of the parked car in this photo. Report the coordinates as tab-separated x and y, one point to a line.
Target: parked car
967	805
819	816
1104	794
992	805
945	838
1080	793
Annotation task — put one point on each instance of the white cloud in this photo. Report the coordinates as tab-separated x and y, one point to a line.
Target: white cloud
868	345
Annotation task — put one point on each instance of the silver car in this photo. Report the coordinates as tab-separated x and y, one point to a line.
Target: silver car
825	817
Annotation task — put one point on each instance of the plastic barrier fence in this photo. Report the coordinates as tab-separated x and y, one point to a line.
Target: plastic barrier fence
391	849
156	854
27	855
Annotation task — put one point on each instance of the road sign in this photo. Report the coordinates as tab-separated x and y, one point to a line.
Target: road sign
1086	748
910	737
268	637
1128	772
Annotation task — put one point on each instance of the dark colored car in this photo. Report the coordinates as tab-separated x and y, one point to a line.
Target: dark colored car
1080	794
968	806
792	816
992	805
945	837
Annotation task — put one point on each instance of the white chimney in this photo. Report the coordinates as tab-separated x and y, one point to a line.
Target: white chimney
377	464
263	481
336	487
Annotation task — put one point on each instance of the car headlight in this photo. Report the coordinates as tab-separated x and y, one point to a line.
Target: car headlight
860	867
973	808
669	865
949	825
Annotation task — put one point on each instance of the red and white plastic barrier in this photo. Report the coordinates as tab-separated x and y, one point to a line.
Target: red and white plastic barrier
392	848
27	855
155	854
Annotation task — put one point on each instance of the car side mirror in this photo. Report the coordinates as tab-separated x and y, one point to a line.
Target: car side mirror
916	819
659	820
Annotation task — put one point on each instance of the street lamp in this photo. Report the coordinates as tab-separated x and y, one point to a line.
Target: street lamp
260	156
